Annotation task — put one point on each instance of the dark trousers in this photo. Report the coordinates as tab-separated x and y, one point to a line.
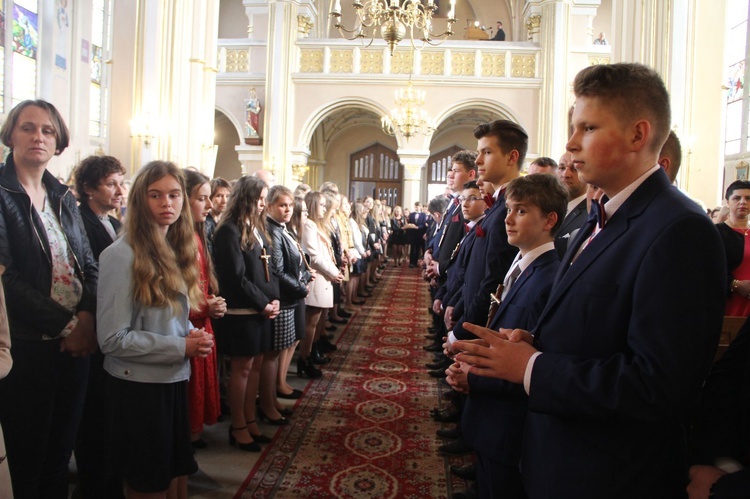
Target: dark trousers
416	247
498	480
95	476
42	400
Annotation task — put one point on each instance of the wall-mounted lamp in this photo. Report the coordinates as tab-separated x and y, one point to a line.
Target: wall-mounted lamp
145	128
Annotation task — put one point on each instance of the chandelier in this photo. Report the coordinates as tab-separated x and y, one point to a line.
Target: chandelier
394	18
408	119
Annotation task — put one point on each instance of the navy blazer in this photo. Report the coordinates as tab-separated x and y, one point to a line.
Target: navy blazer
491	257
628	335
454	230
572	222
451	290
495	410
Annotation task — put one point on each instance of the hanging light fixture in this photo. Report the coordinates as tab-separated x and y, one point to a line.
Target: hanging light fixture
408	118
394	18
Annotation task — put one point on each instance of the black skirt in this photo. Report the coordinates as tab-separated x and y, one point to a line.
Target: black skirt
149	432
243	335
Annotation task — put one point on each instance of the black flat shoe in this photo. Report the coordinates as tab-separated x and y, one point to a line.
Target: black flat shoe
361	302
468	472
331	328
326	346
282	421
247	447
345	314
286	411
338	321
317	358
289	396
306	368
364	295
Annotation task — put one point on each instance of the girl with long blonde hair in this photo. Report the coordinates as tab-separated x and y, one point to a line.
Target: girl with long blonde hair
316	242
147	284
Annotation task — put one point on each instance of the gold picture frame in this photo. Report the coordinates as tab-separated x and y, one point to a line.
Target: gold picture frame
742	170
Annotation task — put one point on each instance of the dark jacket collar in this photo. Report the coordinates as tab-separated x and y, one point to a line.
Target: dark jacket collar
9	179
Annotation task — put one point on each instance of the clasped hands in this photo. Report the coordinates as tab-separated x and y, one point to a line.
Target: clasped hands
217	306
500	354
198	343
272	310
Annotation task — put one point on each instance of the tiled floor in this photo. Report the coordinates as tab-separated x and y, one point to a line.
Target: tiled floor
224	468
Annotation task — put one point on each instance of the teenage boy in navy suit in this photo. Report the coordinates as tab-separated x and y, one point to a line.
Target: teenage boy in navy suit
628	334
501	149
495	410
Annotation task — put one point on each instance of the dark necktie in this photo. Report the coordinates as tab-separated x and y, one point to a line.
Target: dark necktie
597	217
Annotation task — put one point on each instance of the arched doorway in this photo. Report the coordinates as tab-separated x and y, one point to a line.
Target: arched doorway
228	164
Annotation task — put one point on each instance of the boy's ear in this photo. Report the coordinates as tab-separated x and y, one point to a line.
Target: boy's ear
551	221
513	157
642	134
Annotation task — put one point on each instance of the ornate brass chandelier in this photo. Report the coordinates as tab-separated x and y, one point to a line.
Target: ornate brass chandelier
394	17
407	118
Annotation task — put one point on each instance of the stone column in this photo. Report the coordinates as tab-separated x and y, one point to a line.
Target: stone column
413	160
277	126
175	74
553	69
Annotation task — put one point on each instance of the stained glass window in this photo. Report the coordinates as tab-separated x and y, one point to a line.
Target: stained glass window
25	43
736	54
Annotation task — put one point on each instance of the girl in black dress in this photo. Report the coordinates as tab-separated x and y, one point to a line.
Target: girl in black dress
251	289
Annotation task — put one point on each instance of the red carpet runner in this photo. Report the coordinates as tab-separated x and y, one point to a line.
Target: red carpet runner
363	429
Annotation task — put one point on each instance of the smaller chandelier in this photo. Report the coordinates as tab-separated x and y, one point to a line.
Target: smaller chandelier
393	19
408	119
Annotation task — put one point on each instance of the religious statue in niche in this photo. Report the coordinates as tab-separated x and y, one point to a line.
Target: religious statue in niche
252	115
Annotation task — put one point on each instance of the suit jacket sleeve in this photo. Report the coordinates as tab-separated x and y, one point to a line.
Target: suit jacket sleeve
655	368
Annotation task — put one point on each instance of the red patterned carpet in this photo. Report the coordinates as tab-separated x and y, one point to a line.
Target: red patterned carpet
363	429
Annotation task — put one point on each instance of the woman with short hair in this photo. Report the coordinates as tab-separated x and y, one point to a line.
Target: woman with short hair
50	284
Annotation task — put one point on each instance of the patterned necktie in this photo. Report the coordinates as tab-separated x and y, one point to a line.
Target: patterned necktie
496	298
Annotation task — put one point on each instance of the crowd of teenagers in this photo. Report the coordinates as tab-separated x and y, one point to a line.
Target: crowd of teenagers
576	309
135	309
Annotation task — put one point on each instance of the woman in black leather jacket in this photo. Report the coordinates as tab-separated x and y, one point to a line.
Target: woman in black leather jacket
50	290
293	274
